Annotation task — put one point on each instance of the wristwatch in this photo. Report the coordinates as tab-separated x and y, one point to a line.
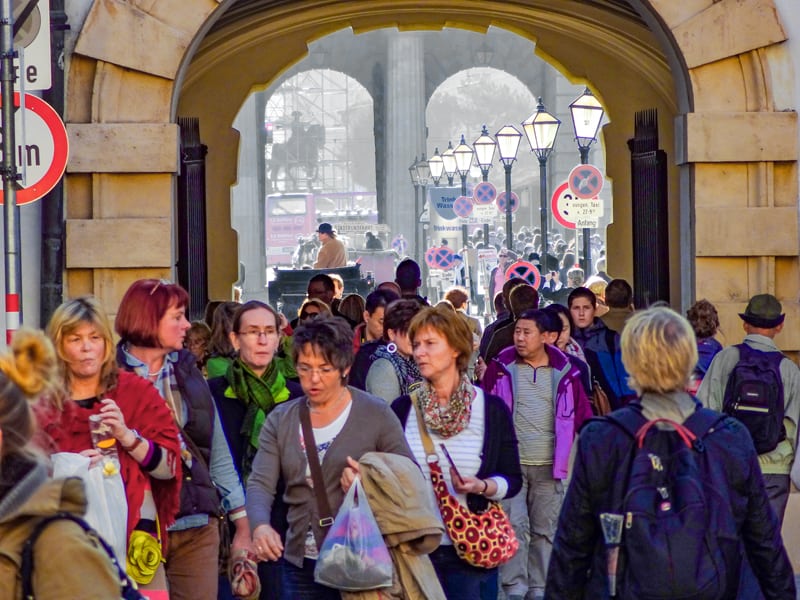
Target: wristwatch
138	440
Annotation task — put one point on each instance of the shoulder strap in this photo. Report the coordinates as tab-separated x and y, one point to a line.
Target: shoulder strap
128	590
321	494
702	422
427	442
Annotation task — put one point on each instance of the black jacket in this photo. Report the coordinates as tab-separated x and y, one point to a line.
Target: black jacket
578	562
500	453
198	494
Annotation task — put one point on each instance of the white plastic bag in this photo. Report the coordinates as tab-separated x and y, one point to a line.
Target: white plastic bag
107	506
354	556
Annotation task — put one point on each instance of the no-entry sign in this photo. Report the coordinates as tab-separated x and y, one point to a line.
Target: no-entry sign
44	151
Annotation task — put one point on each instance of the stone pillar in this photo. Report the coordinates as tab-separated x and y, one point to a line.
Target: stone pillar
247	212
405	128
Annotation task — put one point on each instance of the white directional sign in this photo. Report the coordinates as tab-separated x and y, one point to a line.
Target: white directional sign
32	42
586	209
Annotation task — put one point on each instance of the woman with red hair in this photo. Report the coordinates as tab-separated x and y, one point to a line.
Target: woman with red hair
151	322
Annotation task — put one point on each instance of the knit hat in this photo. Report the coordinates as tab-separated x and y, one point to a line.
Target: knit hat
763	311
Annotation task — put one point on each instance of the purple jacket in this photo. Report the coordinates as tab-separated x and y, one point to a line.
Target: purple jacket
572	406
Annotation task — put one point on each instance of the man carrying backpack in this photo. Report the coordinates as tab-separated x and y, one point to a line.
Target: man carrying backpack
665	501
755	383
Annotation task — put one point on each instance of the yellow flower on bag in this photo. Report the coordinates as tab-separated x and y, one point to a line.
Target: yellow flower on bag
144	556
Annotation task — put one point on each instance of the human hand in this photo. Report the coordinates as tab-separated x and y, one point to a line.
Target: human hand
267	544
241	542
349	474
94	456
115	420
467	485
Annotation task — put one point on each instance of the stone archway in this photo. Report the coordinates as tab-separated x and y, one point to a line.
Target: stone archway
733	187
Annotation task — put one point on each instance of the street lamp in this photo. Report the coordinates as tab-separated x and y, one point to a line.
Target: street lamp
414	173
484	152
436	167
463	154
586	116
507	144
449	161
541	129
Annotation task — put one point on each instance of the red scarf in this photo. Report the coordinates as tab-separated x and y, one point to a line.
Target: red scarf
145	411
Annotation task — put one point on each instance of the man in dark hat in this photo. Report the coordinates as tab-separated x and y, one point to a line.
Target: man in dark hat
332	254
758	385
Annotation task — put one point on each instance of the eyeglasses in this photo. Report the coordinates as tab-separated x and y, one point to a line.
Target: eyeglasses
158	284
308	316
257	333
306	371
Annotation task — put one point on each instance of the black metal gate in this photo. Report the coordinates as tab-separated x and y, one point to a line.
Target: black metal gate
192	265
649	211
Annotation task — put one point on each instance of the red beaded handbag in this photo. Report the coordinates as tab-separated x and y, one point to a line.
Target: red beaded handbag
483	540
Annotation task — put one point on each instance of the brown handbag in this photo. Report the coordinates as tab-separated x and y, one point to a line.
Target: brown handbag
600	404
483	540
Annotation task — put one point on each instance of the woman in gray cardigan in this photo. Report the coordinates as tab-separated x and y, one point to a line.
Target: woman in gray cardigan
346	423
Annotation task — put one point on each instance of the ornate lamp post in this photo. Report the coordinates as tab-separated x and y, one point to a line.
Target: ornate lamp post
586	116
541	129
484	152
463	154
449	160
508	139
436	167
412	171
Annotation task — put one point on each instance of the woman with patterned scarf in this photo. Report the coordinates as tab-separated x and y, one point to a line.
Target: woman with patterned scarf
393	371
475	428
252	386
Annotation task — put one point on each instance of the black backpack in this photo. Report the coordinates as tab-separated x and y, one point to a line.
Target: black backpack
754	396
676	530
127	589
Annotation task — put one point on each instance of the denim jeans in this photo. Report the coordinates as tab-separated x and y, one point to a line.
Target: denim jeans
299	584
462	581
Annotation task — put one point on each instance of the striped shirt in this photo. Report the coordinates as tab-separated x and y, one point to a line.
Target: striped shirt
533	413
465	448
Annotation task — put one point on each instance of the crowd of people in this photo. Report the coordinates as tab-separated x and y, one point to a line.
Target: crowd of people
237	439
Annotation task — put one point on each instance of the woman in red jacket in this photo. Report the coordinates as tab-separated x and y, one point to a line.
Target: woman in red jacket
141	424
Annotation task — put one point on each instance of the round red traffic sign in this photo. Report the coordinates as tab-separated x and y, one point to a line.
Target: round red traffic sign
439	258
501	202
462	206
45	150
524	270
562	196
585	181
484	193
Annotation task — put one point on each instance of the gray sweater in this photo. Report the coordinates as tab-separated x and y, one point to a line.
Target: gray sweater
371	426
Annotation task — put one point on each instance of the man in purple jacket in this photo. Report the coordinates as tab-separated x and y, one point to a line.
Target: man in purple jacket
548	405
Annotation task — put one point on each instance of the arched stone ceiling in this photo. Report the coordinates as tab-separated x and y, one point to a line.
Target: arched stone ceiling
610	28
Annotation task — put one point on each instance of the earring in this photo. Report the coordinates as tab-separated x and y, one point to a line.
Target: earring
391	347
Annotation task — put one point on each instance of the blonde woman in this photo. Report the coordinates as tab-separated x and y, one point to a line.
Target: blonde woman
140	423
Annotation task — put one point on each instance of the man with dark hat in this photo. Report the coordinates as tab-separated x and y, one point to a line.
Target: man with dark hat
332	254
755	383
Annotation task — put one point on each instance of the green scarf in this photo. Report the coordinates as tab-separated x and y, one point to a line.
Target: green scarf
259	395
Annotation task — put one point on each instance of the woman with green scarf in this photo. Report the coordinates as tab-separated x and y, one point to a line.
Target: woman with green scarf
251	387
254	383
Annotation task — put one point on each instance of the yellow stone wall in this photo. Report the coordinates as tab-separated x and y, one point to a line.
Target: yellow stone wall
733	153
